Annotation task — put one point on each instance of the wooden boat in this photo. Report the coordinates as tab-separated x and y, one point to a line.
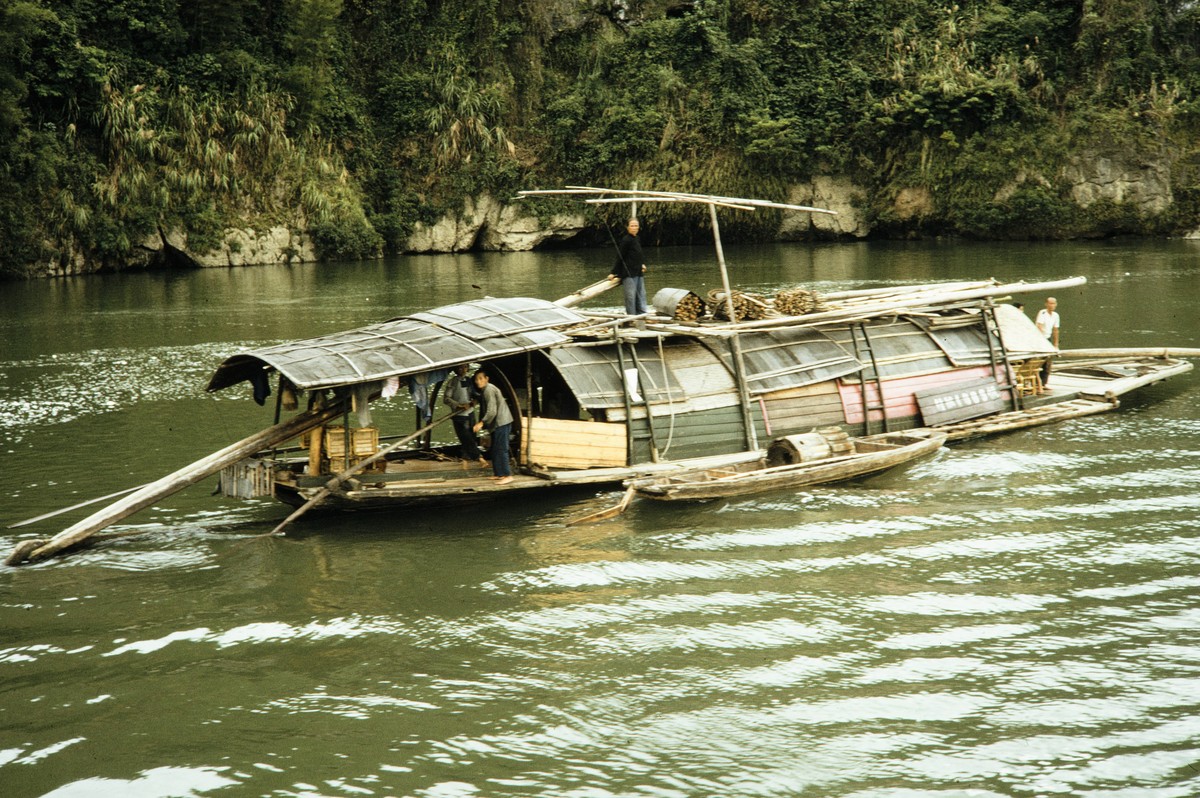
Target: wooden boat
857	458
603	398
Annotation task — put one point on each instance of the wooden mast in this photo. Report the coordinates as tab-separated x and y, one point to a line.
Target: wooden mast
735	342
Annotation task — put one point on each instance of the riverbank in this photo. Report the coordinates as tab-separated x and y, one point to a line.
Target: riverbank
1107	199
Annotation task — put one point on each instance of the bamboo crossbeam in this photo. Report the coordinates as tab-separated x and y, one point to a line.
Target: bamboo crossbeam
894	290
611	200
635	195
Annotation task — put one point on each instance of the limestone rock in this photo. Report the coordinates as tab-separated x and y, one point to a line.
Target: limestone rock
516	230
454	232
249	247
832	192
485	223
1146	185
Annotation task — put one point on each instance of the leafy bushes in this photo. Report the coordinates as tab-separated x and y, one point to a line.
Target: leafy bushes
365	117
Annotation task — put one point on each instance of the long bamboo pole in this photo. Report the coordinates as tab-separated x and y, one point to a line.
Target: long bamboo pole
178	480
342	476
587	292
53	513
1135	351
909	302
735	344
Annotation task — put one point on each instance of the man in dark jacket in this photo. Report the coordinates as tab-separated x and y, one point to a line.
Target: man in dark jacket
629	268
456	392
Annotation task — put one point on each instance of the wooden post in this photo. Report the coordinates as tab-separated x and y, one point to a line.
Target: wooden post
528	437
316	439
735	344
637	367
628	406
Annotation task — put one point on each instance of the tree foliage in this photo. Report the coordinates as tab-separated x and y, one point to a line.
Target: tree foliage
364	117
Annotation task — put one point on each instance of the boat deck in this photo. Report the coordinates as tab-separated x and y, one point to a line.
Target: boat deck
1111	378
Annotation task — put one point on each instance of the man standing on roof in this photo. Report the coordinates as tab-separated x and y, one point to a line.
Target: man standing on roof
630	268
497	418
1047	323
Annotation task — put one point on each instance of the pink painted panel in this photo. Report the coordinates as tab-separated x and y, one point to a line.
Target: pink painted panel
899	392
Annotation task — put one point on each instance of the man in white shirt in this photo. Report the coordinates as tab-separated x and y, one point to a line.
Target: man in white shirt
1047	322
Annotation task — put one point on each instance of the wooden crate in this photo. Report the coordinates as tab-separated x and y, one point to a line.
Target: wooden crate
364	442
556	443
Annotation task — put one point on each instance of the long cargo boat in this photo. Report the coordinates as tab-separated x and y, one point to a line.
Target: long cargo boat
603	398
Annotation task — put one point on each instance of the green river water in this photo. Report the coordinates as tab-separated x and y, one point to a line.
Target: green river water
1016	616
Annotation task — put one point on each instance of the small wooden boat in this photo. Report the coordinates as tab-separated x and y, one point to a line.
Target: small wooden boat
797	461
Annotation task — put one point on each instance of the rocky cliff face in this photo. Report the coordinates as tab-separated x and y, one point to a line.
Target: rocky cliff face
485	223
1143	185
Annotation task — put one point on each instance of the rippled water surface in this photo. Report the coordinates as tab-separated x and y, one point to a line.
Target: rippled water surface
1017	616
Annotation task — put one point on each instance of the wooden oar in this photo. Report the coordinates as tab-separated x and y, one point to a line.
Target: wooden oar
175	482
53	513
342	476
609	512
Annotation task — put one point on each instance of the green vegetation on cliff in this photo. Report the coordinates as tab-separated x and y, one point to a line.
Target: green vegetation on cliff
124	120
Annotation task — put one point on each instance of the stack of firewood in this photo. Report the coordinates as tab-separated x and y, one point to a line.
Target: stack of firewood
690	308
745	306
798	301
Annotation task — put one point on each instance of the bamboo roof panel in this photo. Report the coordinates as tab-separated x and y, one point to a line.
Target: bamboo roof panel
439	338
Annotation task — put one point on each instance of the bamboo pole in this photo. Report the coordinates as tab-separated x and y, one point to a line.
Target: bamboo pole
178	480
897	290
699	198
608	512
1134	351
53	513
342	476
735	344
907	303
586	293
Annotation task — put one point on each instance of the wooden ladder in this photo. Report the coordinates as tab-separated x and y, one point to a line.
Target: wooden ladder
868	350
995	342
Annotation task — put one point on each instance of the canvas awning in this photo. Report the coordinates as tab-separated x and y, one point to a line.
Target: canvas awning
438	338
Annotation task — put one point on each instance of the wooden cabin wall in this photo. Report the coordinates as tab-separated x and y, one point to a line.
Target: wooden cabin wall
696	434
795	410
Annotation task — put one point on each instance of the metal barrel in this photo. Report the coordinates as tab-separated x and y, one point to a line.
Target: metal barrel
668	299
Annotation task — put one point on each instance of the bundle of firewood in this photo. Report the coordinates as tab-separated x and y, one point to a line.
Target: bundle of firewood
798	301
690	308
745	306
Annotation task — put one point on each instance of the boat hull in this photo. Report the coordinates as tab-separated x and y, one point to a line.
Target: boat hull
874	454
